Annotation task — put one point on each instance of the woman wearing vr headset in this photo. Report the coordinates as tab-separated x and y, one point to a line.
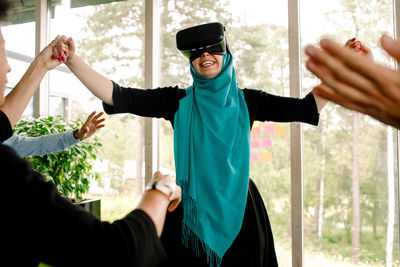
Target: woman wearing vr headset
222	220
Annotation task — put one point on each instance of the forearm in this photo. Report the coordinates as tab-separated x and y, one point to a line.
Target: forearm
19	97
41	145
99	85
155	204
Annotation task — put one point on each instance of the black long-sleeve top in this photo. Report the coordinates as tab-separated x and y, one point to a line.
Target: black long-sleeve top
164	102
254	245
39	225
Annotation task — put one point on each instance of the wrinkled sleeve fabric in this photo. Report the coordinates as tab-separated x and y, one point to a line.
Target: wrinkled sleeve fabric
263	106
41	145
156	103
43	226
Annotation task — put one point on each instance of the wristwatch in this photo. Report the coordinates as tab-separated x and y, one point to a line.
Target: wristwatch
164	186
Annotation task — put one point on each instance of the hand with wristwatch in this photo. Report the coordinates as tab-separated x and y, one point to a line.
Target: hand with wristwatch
167	186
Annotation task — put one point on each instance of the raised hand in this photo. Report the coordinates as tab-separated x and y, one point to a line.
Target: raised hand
64	50
356	82
90	126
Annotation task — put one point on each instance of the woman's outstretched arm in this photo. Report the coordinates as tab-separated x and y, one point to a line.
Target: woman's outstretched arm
99	85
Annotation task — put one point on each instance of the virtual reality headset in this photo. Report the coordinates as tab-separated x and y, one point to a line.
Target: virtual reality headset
194	41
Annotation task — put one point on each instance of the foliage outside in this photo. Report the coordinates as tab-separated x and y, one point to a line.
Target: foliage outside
70	170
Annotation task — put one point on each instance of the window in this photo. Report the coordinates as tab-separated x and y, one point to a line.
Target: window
19	33
258	38
348	159
114	49
346	163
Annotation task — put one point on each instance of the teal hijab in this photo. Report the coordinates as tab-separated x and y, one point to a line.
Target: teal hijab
212	158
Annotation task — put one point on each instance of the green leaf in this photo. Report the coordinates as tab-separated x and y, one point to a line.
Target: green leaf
69	170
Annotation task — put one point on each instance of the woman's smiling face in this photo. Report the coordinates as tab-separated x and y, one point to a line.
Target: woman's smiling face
208	65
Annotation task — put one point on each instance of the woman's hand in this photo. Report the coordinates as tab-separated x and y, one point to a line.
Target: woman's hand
357	83
64	50
92	123
358	47
46	55
176	193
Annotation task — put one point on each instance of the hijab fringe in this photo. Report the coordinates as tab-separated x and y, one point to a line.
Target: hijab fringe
188	236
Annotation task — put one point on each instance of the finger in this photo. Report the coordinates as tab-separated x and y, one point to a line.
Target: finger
349	103
157	175
174	205
99	121
391	46
340	92
71	43
337	70
89	118
100	126
99	115
55	46
361	65
349	42
367	51
341	71
376	112
55	40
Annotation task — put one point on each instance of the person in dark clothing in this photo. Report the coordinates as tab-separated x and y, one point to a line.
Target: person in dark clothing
222	219
39	225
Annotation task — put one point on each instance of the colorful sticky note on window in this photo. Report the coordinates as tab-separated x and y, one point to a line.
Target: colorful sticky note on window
255	143
267	142
266	156
256	131
269	128
254	156
280	130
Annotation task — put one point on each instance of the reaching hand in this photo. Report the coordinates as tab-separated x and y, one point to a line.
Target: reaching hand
46	54
176	194
90	126
356	82
64	50
358	47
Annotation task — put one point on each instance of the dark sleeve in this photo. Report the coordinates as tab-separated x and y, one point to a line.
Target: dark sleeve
158	103
5	127
48	228
263	106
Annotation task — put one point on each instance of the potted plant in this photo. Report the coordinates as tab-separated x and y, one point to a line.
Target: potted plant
70	170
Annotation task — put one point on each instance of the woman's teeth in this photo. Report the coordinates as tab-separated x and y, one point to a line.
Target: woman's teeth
207	63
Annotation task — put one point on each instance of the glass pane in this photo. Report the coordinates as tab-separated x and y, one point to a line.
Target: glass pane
346	163
115	49
19	34
257	35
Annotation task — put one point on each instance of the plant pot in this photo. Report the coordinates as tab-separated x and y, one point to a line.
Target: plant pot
91	205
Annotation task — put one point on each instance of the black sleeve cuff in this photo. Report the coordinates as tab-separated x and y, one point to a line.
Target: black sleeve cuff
312	109
115	96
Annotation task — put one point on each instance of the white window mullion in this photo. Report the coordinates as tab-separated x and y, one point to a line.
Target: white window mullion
41	97
296	138
151	126
396	22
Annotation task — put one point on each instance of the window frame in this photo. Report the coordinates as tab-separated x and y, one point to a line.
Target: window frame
151	126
